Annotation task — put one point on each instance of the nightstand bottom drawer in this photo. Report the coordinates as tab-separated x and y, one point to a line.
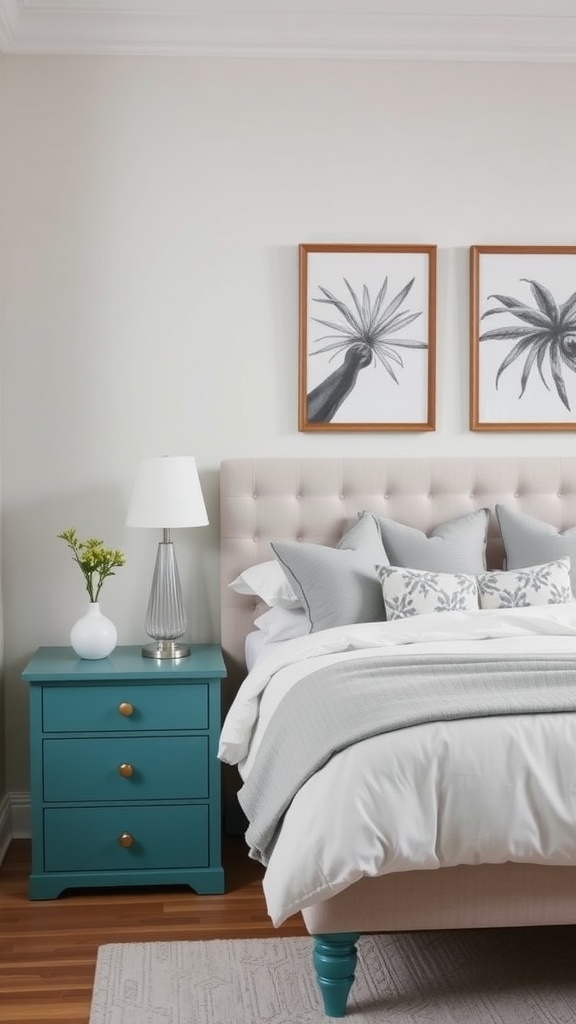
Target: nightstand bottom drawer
92	838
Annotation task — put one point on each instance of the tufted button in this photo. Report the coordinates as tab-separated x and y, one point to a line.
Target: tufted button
256	538
255	495
298	497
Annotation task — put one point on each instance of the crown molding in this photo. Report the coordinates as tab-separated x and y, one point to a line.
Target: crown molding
152	27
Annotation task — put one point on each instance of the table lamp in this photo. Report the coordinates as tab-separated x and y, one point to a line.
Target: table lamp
167	495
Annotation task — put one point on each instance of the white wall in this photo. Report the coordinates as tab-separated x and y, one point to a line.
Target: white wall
152	210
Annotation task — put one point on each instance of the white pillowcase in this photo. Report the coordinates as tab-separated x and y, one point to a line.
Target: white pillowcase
268	581
408	592
518	588
283	623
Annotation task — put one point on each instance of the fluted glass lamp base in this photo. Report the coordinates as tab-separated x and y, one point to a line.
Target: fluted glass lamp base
166	649
166	616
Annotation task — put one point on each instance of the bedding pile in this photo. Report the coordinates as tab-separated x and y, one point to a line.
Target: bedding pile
415	743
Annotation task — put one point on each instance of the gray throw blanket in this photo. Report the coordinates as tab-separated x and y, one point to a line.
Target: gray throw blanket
353	700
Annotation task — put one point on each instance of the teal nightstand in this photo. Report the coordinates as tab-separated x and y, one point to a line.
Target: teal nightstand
125	781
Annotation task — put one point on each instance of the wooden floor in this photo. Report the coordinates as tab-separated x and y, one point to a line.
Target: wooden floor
48	948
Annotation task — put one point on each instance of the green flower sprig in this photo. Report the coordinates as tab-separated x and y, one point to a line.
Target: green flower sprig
96	562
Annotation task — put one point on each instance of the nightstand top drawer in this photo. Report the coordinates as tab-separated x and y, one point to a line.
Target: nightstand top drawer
62	665
124	707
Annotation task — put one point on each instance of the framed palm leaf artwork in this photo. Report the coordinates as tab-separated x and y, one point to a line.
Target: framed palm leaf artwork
367	337
522	337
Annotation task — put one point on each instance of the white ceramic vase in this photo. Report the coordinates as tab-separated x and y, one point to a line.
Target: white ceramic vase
93	636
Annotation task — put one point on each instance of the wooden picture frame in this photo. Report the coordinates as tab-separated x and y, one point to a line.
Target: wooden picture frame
367	352
522	337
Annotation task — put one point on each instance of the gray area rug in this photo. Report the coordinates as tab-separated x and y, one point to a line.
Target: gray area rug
493	976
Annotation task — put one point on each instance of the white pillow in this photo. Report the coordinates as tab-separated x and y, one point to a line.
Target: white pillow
268	581
518	588
283	623
408	592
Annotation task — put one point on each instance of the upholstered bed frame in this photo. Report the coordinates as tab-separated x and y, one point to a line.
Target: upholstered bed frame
314	500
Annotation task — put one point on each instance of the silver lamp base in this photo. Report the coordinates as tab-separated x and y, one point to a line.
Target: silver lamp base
166	649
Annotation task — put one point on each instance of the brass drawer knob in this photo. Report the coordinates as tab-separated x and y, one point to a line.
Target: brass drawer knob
126	770
126	840
126	709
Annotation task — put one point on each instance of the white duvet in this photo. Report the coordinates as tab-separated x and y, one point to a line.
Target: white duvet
463	792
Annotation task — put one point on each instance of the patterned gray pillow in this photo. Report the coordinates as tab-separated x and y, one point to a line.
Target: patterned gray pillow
337	586
456	546
519	588
409	592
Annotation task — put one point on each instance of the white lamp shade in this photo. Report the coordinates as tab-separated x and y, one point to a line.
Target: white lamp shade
167	494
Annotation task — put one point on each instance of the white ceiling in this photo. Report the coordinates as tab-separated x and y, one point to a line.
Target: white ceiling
529	30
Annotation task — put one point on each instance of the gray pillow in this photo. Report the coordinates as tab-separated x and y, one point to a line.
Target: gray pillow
456	546
337	586
528	541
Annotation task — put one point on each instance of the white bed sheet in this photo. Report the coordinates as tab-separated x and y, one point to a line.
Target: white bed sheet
253	647
465	792
258	646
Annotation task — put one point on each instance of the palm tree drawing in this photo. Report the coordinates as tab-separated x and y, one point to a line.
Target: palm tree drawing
547	332
364	333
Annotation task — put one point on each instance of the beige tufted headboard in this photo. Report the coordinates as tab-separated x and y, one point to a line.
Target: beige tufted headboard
316	499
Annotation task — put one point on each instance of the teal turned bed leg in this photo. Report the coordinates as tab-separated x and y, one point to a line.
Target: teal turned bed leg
335	962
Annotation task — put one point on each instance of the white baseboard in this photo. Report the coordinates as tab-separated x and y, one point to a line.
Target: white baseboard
14	820
20	807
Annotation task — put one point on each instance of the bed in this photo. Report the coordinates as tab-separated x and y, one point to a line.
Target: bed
316	501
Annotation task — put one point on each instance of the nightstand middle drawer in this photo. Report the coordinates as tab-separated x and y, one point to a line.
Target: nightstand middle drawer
126	768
